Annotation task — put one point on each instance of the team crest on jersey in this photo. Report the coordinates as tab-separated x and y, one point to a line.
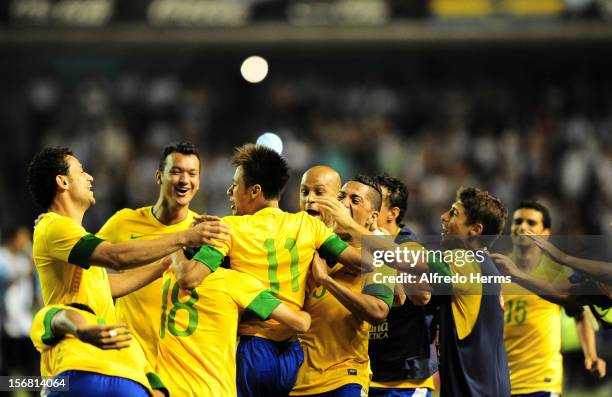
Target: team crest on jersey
351	371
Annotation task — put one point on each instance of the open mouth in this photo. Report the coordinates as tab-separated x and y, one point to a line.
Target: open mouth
313	212
182	191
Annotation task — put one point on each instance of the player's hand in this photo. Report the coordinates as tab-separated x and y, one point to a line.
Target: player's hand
596	366
319	269
307	319
331	208
158	393
164	264
206	231
106	337
505	265
204	218
555	253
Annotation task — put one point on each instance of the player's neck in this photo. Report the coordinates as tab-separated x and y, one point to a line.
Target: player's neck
526	257
68	208
258	206
392	228
168	214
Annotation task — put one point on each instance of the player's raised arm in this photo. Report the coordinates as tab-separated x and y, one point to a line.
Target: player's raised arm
189	272
365	307
130	254
345	225
559	291
600	270
297	321
125	283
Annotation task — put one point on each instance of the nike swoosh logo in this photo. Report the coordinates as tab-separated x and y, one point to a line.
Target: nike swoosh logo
132	237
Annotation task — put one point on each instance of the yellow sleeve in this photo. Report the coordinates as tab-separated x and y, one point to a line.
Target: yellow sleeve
464	264
41	332
466	295
378	283
68	242
250	294
108	231
212	257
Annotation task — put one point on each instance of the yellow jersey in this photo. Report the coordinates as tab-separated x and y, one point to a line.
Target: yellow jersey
275	247
336	345
58	355
196	352
141	309
532	335
61	252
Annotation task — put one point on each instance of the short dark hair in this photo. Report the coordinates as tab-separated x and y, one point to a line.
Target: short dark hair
262	166
374	193
44	167
482	207
397	194
182	148
534	205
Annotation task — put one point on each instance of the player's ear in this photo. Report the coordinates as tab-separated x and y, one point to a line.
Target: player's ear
158	176
61	181
372	219
393	214
255	190
476	229
545	233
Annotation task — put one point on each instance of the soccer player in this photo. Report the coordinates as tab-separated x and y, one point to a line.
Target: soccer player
276	248
318	181
532	332
403	356
472	357
96	357
199	327
64	252
533	325
343	305
178	177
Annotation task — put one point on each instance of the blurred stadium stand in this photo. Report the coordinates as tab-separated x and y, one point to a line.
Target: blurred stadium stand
514	96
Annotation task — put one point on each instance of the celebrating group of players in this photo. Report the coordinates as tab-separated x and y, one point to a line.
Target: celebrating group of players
296	288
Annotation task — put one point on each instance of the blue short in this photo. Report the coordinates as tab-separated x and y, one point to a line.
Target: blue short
91	384
350	390
265	368
538	394
399	392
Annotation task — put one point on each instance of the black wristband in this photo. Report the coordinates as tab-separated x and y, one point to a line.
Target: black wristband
190	252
